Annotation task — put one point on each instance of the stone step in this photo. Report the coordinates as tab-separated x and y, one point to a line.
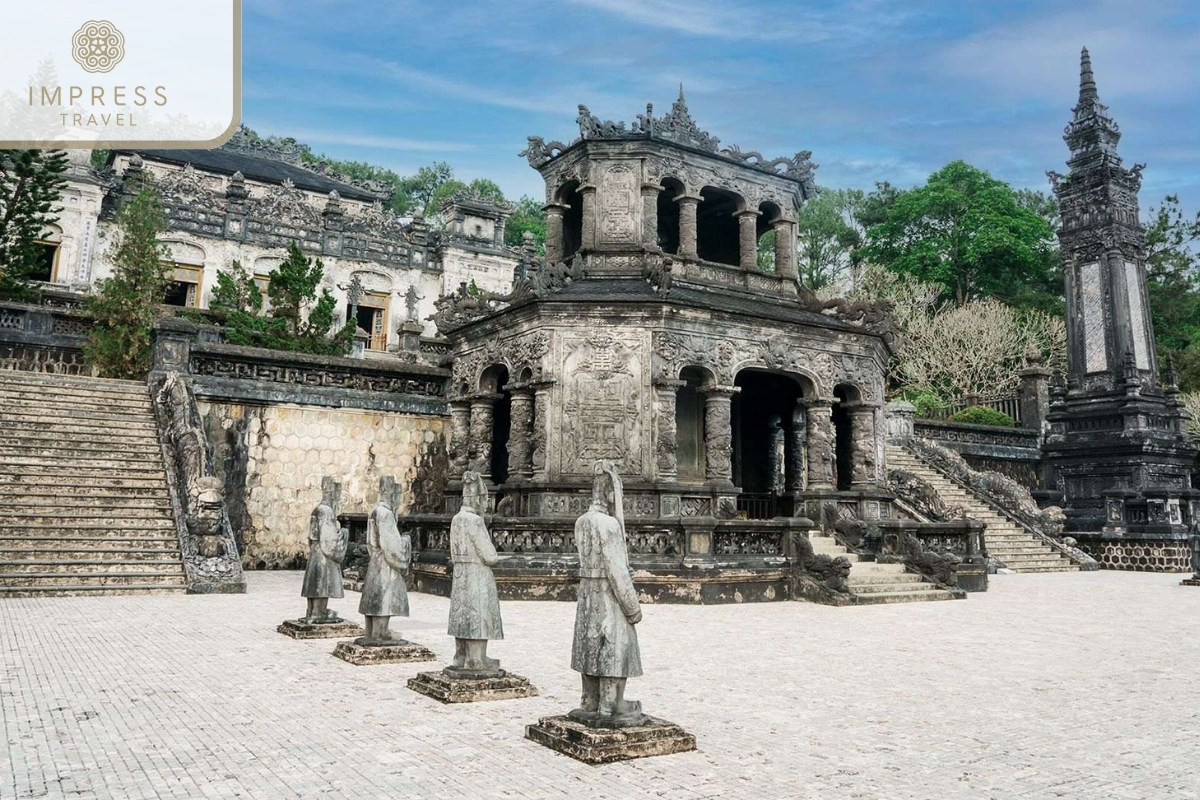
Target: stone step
892	588
29	447
52	518
880	598
865	578
1019	552
90	566
9	542
114	426
13	494
875	568
107	579
20	400
10	462
69	382
63	434
72	482
99	529
89	591
98	555
1062	568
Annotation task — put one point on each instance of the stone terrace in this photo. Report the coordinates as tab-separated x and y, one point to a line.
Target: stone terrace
1058	685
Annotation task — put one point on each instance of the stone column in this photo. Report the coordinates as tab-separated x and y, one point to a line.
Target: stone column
748	239
785	248
718	434
862	444
589	239
665	431
1034	396
554	231
520	433
482	417
650	215
687	225
538	447
777	445
460	437
797	440
822	468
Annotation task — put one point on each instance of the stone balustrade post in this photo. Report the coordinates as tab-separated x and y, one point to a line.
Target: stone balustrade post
1034	397
796	445
718	434
589	239
650	194
863	471
460	437
554	231
539	436
666	435
900	417
482	420
688	206
520	433
822	467
747	239
785	248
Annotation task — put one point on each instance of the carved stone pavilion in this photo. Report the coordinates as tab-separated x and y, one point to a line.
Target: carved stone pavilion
1117	445
735	404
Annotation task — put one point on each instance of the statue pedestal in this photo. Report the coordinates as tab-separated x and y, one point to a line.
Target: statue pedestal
467	686
1192	581
594	745
399	652
334	629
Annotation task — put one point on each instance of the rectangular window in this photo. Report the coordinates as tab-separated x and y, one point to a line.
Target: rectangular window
372	318
263	282
46	269
184	290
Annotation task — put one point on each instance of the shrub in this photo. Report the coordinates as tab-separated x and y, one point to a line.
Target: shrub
982	415
928	406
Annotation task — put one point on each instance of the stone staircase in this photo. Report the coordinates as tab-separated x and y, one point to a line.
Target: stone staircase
84	503
1006	541
872	583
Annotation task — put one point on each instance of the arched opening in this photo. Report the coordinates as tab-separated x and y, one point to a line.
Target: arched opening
689	425
768	428
493	382
668	215
843	431
572	237
768	214
717	227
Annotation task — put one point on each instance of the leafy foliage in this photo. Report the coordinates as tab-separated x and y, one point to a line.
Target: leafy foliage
982	415
300	319
1172	270
125	305
527	216
829	236
31	183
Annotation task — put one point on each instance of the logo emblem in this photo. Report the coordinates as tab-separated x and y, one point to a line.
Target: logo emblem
98	46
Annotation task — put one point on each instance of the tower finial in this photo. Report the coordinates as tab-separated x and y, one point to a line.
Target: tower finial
1087	81
681	92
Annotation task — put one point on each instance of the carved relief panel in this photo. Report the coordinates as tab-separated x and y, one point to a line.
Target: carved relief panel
620	203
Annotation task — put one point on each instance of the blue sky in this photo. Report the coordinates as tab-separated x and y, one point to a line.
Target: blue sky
877	90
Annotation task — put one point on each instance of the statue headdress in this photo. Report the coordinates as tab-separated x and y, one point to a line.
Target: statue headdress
473	485
607	469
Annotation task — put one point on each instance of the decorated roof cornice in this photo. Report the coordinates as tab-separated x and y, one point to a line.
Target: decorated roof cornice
676	127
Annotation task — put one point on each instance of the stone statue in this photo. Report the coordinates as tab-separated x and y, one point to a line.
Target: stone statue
474	605
326	548
411	299
605	650
384	594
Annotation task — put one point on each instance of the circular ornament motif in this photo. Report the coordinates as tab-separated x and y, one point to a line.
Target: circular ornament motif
98	46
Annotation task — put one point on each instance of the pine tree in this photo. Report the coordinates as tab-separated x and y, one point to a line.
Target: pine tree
31	184
126	305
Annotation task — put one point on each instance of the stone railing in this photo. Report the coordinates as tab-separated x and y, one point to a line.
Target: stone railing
951	553
39	338
1009	404
1004	494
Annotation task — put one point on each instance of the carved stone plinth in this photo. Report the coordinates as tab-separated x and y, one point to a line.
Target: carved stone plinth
467	686
400	652
333	629
593	745
1192	581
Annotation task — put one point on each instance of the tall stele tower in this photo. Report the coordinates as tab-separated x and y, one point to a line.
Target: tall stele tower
1117	444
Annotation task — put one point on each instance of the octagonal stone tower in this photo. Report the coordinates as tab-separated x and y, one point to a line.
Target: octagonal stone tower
659	334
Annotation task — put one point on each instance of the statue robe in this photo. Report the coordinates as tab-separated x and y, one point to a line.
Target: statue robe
326	550
605	643
474	604
384	593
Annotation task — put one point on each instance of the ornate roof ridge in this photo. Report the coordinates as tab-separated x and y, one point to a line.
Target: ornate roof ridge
292	152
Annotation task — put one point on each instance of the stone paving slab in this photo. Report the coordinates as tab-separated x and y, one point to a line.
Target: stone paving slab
1074	685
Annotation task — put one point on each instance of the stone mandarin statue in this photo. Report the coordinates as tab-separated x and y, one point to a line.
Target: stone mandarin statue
384	594
605	650
327	543
474	604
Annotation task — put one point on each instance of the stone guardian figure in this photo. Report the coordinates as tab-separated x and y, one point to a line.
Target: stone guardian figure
474	604
605	649
384	594
327	543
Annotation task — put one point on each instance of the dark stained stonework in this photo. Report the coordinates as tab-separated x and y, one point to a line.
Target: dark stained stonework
401	652
299	629
448	688
1117	442
606	745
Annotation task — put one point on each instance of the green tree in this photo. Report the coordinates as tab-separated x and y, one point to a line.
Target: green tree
235	293
31	184
965	231
528	216
1173	284
828	237
125	305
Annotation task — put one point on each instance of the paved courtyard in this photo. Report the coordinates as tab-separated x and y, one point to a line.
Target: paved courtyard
1077	685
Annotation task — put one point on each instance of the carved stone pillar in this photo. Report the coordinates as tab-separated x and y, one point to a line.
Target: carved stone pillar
665	432
748	239
538	455
718	434
797	440
687	225
650	215
554	231
589	239
862	444
785	248
460	437
822	469
520	434
482	418
777	450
